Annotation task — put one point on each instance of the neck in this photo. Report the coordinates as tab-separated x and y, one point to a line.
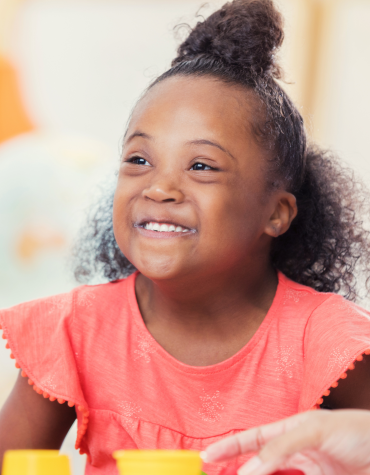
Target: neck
200	301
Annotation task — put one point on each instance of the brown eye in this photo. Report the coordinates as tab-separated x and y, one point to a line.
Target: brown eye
139	161
200	167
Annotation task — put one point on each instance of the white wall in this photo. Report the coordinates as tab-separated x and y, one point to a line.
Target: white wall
342	106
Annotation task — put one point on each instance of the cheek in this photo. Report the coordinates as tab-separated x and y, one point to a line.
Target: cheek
233	216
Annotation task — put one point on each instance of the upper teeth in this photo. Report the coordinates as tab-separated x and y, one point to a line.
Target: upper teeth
165	228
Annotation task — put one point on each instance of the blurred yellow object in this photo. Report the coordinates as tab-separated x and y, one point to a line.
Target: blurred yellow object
158	462
13	117
34	239
35	462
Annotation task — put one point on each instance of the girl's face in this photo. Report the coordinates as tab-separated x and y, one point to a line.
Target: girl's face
191	168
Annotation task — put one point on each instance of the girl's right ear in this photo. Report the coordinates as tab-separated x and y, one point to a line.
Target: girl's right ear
284	213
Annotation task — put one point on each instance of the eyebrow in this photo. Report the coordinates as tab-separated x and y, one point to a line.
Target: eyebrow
138	133
213	144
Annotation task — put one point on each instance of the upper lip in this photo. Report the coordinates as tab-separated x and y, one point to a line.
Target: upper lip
164	220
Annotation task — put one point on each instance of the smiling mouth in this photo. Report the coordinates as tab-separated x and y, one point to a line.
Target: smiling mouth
164	227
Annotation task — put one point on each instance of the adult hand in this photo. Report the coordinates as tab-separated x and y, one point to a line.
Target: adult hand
316	442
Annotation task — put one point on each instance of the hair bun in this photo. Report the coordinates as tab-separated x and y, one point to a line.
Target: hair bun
243	33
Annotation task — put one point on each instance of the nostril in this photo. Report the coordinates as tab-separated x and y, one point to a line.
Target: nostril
163	194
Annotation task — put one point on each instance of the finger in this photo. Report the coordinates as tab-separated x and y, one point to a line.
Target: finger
251	440
307	436
255	466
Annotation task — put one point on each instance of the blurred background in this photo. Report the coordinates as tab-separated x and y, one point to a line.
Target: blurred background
70	73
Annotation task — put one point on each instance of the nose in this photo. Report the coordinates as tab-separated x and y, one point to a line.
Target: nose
163	191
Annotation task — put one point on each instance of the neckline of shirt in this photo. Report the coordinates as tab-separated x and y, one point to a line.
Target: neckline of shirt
218	367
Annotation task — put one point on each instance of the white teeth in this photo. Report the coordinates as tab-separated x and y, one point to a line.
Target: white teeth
164	228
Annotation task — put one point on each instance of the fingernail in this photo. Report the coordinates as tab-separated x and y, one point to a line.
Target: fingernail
252	465
204	456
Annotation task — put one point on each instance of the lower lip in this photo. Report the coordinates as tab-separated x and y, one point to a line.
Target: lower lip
162	234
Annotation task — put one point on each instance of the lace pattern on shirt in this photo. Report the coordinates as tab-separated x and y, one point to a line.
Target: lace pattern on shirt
285	362
86	299
130	412
338	358
291	296
145	347
210	411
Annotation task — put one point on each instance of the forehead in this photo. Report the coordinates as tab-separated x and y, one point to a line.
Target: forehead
194	106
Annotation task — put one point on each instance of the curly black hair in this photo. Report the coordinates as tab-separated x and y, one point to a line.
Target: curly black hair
327	244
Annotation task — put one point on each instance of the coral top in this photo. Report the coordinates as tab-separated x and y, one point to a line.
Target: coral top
90	347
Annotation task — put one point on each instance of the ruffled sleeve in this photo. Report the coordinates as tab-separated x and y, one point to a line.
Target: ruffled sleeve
336	336
40	337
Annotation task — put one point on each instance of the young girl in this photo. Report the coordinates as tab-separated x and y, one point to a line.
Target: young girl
242	235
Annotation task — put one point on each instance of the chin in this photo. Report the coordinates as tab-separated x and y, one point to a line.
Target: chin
157	267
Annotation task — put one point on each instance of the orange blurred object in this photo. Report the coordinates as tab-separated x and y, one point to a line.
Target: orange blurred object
35	239
13	116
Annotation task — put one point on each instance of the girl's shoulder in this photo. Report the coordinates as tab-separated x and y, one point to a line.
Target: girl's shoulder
330	320
336	335
323	309
70	306
52	325
47	338
107	299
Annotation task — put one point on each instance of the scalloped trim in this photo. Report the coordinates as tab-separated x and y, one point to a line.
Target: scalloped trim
342	376
81	431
